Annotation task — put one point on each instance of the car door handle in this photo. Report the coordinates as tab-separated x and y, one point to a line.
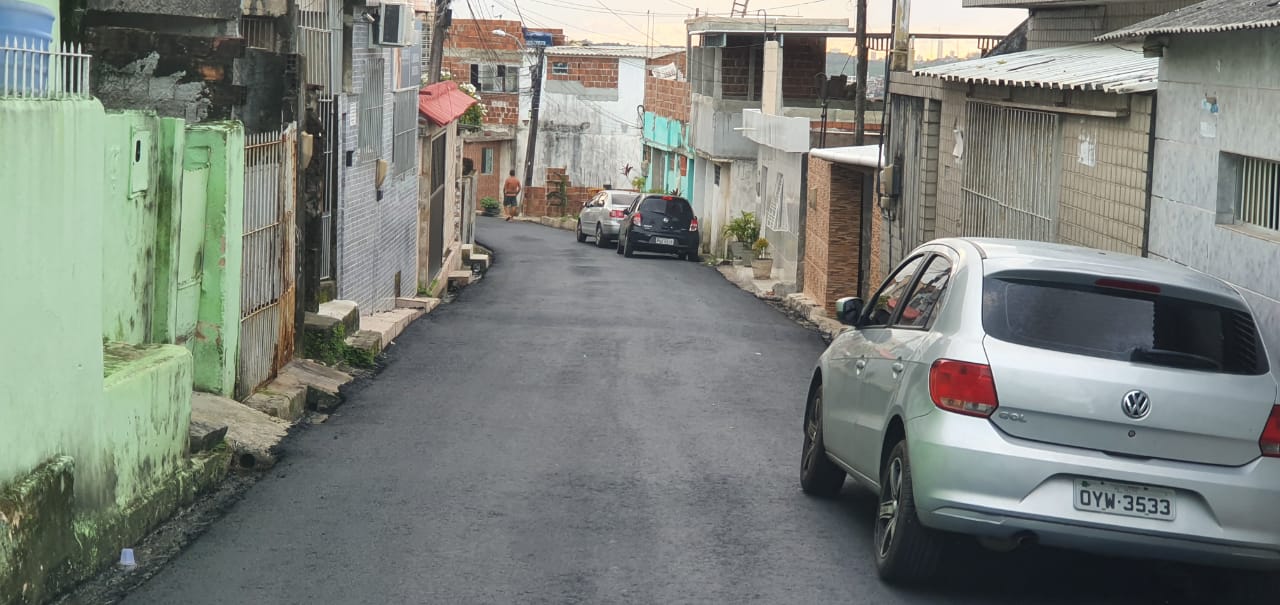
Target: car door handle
860	364
898	367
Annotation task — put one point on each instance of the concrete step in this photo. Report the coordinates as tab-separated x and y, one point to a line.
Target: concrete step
390	324
203	436
426	304
285	398
252	435
345	311
324	384
460	278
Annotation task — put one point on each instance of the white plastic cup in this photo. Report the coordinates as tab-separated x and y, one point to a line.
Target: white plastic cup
126	558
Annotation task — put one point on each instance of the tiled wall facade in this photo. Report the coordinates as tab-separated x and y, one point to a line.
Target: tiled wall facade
668	98
1052	27
377	239
591	72
1217	102
1102	191
833	232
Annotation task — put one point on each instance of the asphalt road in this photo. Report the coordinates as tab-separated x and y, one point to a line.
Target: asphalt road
583	428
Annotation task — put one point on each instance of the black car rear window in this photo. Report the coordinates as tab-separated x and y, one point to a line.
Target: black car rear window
1119	324
674	207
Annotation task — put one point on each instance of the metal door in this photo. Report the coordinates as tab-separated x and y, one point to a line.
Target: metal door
267	280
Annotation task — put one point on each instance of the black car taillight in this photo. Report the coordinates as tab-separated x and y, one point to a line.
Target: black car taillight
635	219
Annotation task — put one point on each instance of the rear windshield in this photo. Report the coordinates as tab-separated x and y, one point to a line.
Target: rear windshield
1115	324
674	208
622	199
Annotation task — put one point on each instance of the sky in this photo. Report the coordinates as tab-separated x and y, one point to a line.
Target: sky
628	23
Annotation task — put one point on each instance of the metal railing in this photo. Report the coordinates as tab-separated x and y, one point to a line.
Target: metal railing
259	32
1260	194
328	110
1010	173
30	69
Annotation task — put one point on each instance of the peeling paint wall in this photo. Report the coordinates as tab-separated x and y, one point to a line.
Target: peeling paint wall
590	129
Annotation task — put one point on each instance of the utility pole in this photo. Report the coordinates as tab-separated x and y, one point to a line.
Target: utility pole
536	80
901	55
860	86
440	21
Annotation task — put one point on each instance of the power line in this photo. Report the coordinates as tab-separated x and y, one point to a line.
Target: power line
628	23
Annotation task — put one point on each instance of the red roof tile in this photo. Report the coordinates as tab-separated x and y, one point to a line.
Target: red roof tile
443	102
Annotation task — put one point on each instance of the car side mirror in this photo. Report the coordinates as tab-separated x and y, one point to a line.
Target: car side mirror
849	310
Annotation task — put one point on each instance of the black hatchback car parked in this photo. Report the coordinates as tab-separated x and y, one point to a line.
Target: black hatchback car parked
660	223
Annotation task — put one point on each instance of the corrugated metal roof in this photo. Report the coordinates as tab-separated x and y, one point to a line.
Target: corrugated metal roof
612	50
1206	17
1114	68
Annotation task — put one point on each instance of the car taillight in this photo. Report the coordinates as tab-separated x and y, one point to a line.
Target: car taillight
693	225
616	214
635	219
1270	440
963	388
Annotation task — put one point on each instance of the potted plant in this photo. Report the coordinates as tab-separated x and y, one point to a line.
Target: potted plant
490	206
744	230
761	265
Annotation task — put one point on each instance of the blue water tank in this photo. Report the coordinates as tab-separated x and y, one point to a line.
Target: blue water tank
24	25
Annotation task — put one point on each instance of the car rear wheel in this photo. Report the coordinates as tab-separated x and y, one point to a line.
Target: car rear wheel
627	249
692	255
601	240
906	551
819	476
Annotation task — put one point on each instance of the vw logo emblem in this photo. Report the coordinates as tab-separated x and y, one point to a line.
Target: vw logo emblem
1136	405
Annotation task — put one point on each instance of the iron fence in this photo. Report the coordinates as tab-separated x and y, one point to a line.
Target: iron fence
1011	175
30	69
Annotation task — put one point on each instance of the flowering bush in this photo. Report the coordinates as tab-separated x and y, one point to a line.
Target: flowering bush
474	114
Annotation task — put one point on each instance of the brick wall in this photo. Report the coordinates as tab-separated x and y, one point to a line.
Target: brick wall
736	65
377	238
477	34
833	232
503	108
742	67
802	58
538	201
591	72
667	98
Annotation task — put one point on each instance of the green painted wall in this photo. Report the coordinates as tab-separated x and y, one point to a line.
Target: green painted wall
213	167
51	246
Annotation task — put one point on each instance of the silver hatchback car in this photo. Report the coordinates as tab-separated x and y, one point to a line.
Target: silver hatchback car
1022	391
603	214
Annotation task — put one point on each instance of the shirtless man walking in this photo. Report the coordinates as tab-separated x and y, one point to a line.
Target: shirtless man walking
510	189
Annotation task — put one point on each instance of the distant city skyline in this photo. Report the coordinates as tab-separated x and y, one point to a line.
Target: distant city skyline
661	22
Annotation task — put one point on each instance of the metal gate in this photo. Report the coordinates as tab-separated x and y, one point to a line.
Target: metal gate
267	278
908	117
1011	176
328	110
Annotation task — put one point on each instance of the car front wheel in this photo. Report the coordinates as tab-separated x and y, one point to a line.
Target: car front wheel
906	551
819	476
582	237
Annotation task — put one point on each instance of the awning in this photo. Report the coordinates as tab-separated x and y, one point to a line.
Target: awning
443	102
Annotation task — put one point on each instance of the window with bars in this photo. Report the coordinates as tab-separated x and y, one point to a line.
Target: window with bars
405	125
486	160
371	101
1259	202
1010	172
495	78
560	68
259	32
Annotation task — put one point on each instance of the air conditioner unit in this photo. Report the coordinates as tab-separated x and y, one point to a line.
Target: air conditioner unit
395	25
715	41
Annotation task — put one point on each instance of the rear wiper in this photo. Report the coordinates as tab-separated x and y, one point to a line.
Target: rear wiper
1173	358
